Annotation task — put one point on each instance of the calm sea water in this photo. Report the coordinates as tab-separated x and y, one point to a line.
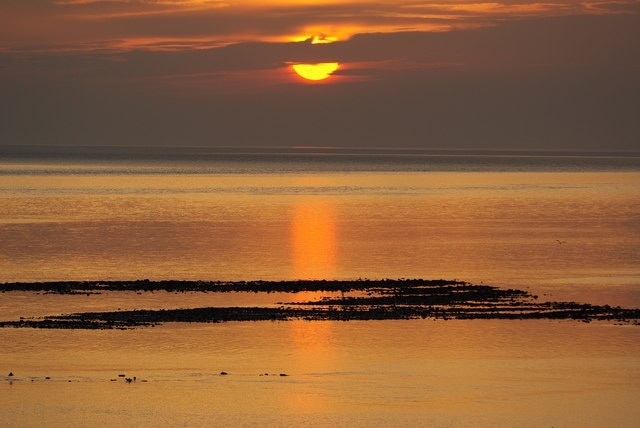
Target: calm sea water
563	226
564	223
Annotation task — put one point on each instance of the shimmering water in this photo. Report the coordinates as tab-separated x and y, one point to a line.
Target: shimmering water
563	224
413	373
562	227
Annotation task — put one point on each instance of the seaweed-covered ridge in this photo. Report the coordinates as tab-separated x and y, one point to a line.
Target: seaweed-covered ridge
357	300
294	286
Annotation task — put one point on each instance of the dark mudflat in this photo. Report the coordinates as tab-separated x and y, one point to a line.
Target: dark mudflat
83	287
372	300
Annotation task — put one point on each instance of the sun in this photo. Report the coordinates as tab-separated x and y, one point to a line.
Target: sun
315	72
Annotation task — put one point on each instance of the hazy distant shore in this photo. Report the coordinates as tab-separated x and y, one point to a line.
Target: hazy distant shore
357	300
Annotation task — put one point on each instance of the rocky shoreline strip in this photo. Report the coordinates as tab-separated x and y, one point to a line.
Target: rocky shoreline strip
388	299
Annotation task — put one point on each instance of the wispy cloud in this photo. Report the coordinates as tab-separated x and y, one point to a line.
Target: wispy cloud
185	3
72	25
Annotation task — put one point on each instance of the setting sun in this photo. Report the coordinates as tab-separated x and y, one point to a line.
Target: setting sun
315	71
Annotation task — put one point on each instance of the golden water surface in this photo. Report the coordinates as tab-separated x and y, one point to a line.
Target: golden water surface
551	230
560	235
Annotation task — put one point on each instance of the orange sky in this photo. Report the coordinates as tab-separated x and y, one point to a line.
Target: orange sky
445	74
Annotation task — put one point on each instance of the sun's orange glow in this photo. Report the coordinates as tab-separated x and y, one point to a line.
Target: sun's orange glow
315	72
313	240
315	39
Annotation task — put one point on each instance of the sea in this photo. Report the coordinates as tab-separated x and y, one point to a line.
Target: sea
562	226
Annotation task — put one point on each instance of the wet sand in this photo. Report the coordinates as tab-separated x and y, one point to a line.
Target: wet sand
358	300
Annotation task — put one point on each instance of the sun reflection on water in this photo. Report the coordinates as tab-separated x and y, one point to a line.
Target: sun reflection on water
313	240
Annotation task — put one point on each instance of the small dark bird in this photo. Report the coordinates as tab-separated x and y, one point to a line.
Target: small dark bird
10	374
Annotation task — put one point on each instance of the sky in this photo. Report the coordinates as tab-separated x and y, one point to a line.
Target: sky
449	74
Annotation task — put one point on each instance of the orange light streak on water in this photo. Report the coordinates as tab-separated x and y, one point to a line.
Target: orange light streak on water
313	239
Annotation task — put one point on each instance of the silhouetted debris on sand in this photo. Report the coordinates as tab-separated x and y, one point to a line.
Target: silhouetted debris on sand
369	300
